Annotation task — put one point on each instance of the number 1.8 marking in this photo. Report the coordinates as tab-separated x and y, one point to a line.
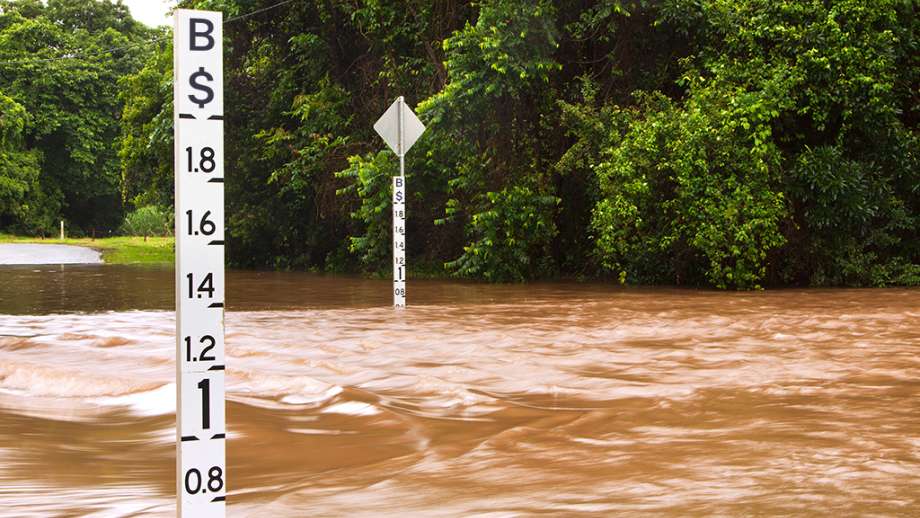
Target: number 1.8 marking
206	162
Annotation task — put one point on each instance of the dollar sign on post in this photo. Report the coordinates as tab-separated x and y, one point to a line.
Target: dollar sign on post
208	93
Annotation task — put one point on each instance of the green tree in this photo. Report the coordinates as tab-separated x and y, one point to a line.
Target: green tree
145	145
20	192
61	62
487	126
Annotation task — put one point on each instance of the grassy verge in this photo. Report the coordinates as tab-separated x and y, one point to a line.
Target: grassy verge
115	250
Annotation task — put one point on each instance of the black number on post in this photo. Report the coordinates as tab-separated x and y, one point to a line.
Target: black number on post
205	386
205	226
206	162
207	157
215	479
204	352
206	286
193	481
188	478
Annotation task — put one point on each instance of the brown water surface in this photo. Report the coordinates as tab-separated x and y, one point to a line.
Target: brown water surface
546	399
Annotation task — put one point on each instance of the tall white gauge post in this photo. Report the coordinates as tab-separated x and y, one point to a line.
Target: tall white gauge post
400	128
201	473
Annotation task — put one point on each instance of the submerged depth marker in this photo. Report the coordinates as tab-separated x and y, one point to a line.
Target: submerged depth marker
201	478
400	128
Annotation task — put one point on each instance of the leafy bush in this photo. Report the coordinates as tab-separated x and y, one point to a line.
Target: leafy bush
685	184
370	178
485	126
148	221
785	158
509	236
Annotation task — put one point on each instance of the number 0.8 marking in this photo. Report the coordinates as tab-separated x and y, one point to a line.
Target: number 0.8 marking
193	482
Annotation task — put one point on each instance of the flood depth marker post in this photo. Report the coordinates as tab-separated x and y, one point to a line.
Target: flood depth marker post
400	128
199	175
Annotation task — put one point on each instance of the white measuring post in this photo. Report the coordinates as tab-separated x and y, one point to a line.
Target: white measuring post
400	128
201	473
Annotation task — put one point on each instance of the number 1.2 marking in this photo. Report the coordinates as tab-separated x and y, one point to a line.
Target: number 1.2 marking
204	352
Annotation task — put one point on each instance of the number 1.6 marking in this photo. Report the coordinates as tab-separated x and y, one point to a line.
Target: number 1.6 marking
205	226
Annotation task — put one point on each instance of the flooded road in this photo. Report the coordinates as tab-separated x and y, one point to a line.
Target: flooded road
546	399
43	254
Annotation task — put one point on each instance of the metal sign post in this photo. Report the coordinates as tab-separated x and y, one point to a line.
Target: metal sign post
400	128
199	178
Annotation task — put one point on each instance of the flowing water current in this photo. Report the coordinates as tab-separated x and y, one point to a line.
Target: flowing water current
479	400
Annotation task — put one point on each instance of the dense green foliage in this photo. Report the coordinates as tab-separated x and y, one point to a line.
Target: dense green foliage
731	143
20	194
63	154
790	155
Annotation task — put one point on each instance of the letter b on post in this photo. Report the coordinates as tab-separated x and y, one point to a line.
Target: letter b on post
201	29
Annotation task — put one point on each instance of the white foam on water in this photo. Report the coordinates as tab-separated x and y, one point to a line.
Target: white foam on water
603	442
317	431
301	399
155	402
352	408
251	382
69	382
279	391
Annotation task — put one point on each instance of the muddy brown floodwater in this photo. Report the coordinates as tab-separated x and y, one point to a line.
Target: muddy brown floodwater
545	399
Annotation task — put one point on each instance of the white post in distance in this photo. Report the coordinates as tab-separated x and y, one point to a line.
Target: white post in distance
399	239
400	128
201	475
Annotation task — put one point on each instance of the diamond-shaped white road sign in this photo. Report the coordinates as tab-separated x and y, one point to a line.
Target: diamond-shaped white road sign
388	127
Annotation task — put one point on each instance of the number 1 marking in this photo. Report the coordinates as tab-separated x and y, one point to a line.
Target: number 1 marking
205	386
